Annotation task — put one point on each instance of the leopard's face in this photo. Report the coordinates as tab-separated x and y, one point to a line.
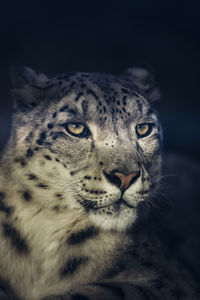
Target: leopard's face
96	147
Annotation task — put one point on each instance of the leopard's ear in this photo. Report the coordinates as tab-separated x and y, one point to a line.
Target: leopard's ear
143	80
26	86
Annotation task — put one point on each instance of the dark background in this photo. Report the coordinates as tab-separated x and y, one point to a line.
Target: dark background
60	36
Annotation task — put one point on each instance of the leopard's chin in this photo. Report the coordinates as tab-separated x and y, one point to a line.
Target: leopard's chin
119	216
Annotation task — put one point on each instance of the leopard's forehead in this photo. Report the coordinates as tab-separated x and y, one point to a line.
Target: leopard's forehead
96	96
98	85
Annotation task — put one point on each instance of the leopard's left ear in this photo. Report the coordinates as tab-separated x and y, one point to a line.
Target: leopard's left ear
144	81
26	87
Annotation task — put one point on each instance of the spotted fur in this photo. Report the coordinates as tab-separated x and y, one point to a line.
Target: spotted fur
64	220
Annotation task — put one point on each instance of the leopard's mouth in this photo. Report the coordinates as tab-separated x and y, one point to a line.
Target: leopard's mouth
90	205
122	201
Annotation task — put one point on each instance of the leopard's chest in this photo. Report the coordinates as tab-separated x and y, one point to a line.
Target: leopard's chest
52	253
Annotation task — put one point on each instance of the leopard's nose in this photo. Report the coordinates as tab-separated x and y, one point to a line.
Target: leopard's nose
123	181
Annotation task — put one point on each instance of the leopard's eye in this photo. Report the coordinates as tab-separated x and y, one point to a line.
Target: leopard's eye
143	130
77	129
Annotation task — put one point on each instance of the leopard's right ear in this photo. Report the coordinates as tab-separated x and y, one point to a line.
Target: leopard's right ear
26	87
143	80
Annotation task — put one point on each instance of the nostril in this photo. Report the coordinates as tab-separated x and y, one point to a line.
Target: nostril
135	177
113	178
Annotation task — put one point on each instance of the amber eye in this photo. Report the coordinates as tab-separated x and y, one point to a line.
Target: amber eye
77	129
143	130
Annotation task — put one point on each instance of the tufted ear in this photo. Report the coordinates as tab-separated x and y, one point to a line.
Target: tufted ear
26	86
143	80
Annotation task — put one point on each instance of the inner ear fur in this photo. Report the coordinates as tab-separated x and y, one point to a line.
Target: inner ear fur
26	87
143	80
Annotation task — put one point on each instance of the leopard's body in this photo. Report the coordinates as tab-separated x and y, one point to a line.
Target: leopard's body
64	217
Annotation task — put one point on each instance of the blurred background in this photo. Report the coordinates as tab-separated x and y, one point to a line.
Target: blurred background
59	36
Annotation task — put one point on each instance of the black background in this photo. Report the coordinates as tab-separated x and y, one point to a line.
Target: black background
60	36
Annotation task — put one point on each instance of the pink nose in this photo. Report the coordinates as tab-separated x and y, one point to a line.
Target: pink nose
126	180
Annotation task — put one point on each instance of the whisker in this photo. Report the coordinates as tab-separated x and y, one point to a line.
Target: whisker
151	203
164	176
161	197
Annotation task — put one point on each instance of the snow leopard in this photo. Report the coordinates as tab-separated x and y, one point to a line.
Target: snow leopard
83	157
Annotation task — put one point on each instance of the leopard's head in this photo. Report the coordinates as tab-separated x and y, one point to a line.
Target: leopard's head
90	140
